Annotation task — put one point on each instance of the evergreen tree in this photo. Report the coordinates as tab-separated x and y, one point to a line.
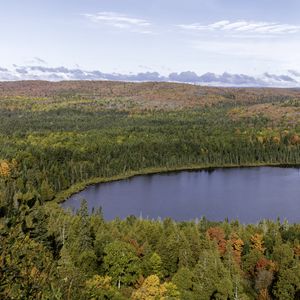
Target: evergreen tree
211	279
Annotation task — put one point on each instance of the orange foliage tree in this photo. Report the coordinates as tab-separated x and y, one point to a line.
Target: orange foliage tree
237	247
217	234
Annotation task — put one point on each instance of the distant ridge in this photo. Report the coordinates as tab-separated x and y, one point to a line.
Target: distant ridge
291	79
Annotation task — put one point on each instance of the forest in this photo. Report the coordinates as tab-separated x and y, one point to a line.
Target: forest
57	138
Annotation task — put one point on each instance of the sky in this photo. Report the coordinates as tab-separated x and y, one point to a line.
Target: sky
130	36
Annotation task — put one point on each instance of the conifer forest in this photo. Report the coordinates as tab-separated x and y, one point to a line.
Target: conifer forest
57	138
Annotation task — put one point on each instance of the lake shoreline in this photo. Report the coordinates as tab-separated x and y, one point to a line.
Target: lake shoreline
78	187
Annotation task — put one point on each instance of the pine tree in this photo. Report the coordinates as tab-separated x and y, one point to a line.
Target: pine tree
211	279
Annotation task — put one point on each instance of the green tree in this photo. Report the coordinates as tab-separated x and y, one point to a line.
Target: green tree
168	249
72	277
211	279
183	279
121	263
288	283
46	191
27	269
154	266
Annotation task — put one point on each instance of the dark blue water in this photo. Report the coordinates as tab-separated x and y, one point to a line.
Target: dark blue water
247	194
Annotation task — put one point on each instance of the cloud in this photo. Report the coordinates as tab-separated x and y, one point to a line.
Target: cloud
279	77
252	27
216	79
7	75
120	21
35	60
39	60
256	51
63	73
187	76
294	73
21	70
37	72
232	79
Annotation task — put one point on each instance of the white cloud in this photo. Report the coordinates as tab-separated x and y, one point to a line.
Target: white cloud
120	21
294	73
262	53
39	72
35	60
245	27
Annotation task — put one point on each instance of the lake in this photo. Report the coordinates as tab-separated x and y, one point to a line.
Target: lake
246	194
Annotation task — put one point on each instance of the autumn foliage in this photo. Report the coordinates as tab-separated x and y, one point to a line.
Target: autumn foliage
217	234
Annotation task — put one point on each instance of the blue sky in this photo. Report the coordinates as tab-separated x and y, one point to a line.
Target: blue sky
131	36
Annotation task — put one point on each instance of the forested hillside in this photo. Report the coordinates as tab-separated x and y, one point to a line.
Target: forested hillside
58	137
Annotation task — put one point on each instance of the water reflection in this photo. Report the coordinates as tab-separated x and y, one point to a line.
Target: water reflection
247	194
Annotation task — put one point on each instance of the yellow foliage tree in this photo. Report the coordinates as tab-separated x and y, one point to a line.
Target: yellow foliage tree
276	139
295	139
100	287
263	295
261	139
257	242
5	169
99	282
151	289
237	247
297	250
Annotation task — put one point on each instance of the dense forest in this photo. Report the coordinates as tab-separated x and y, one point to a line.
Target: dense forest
59	137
